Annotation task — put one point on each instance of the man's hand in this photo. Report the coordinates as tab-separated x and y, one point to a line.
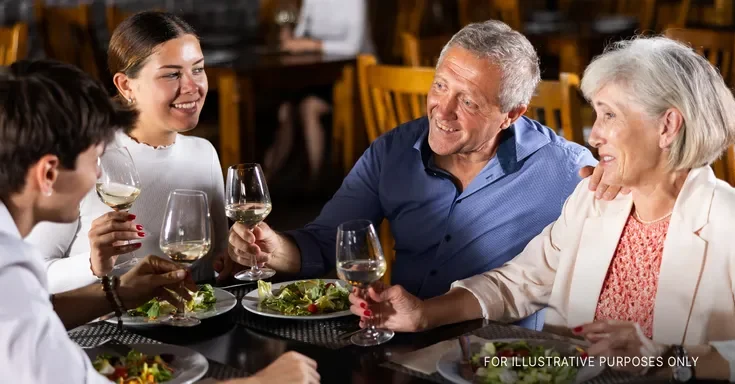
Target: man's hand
602	191
154	277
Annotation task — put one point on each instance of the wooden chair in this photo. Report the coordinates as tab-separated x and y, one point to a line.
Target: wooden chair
507	11
718	47
557	105
408	20
67	36
390	95
343	123
422	52
13	43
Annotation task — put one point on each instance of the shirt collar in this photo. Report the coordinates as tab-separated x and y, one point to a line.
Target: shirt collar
7	224
517	142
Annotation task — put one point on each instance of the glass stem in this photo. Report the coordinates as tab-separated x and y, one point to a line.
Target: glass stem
370	329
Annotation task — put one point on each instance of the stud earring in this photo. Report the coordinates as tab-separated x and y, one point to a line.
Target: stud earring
49	192
130	100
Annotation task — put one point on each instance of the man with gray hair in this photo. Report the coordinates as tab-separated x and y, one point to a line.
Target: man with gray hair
464	188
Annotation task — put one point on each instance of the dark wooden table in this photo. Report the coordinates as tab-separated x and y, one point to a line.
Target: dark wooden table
241	75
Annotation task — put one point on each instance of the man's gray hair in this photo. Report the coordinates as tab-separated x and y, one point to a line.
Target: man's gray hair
510	51
657	74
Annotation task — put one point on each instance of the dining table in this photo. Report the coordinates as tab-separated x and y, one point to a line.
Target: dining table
239	343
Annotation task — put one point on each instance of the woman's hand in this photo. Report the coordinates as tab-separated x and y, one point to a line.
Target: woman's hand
105	236
396	309
611	338
291	367
154	277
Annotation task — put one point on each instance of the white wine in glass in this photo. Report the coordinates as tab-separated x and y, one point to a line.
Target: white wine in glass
118	186
360	262
248	202
186	235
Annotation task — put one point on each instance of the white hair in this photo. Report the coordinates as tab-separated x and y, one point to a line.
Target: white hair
508	49
658	73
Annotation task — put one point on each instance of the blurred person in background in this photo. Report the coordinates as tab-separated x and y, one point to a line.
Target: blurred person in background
464	189
158	69
648	274
332	27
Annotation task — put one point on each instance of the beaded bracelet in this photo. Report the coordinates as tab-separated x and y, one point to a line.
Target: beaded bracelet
110	285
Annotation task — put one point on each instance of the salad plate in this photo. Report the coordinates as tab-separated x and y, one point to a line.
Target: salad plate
529	359
316	299
164	363
208	302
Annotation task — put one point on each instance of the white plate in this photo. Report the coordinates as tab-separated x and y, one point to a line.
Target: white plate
189	366
250	302
448	364
225	302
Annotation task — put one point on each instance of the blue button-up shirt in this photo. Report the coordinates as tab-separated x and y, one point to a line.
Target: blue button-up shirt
443	234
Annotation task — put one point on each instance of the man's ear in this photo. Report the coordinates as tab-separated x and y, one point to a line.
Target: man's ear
514	115
44	173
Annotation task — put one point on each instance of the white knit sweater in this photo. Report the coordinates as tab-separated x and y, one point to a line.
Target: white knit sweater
190	163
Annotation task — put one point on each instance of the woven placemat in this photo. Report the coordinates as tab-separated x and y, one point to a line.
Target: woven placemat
503	331
97	333
324	333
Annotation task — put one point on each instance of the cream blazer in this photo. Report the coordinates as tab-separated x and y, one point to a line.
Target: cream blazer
565	266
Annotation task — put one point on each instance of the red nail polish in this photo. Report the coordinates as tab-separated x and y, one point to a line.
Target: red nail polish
368	313
363	305
131	217
141	234
577	329
139	227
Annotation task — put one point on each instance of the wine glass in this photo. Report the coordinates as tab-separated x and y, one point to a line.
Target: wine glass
118	186
360	262
186	235
248	202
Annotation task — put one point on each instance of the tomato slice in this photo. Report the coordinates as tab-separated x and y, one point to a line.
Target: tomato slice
120	373
312	308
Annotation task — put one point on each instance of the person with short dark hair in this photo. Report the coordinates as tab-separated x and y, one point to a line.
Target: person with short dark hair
158	69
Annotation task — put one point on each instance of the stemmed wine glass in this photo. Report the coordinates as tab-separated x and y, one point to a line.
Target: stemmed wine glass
248	202
118	186
360	262
186	235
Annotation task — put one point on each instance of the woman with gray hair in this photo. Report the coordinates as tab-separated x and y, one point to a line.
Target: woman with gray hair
645	273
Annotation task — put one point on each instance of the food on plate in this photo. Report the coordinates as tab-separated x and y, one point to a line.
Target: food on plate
304	298
203	300
135	368
524	362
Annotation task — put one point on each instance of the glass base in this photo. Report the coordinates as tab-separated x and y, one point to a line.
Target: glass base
181	321
370	338
255	275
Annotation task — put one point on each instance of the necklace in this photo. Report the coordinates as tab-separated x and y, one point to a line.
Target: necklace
635	213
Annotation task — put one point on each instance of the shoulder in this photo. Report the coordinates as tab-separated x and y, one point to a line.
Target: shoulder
195	143
19	254
546	144
723	203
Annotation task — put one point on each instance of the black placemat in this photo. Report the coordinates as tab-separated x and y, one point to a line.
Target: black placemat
97	333
325	333
503	331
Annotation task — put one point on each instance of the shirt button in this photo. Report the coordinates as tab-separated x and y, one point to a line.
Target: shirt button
447	237
432	272
459	201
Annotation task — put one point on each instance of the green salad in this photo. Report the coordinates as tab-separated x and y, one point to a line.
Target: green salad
304	298
520	362
202	300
